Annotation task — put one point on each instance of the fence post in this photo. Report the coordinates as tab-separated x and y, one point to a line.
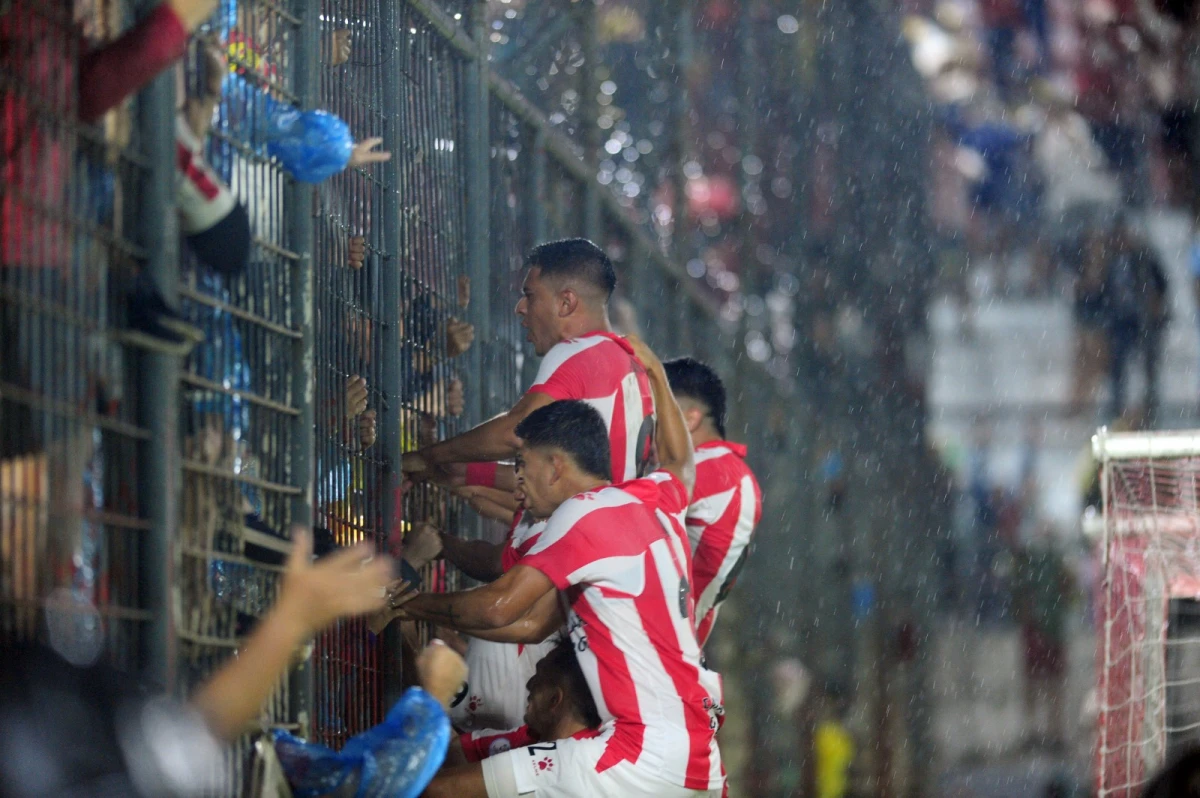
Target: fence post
158	384
391	346
299	203
479	202
589	118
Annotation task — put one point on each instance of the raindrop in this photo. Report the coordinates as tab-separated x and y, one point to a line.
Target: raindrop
752	165
692	170
608	88
696	268
788	24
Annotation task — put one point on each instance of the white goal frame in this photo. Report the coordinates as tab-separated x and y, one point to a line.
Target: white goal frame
1108	448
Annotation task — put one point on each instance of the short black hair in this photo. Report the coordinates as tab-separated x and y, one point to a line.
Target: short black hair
578	258
562	662
574	427
699	382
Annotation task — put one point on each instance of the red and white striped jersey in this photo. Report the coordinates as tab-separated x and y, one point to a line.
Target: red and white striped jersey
601	369
725	509
479	745
616	559
521	536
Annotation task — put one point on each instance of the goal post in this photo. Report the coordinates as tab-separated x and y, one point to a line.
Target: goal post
1148	527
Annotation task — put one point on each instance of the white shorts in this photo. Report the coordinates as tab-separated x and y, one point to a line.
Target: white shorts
567	769
494	695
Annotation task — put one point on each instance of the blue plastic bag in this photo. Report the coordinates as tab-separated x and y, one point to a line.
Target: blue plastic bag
397	758
310	145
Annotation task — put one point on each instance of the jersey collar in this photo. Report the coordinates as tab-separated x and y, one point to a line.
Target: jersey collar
619	340
737	448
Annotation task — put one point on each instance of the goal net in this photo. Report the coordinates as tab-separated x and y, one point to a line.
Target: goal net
1148	686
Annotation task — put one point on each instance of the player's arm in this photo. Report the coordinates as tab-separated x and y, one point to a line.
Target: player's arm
671	437
491	440
492	606
458	781
477	559
543	620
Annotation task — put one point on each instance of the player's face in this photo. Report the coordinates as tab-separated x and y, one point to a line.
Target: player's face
535	481
537	311
539	707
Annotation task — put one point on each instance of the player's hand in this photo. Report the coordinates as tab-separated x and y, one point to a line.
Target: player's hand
353	581
456	398
643	352
358	252
442	671
367	429
422	545
356	395
414	463
398	591
490	503
363	153
459	337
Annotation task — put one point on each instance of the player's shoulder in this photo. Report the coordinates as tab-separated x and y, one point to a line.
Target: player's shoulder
585	346
588	510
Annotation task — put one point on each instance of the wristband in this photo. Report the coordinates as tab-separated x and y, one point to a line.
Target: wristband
482	475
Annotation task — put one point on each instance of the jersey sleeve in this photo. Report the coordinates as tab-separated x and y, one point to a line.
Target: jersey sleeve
565	548
563	374
479	745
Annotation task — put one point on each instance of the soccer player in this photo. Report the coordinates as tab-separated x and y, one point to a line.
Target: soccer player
614	559
726	502
559	707
564	307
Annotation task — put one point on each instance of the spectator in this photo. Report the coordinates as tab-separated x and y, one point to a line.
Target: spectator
1136	314
833	747
1002	192
1110	96
89	730
1078	187
1091	341
1042	592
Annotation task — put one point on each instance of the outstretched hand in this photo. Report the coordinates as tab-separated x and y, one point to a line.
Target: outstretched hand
363	153
399	593
350	582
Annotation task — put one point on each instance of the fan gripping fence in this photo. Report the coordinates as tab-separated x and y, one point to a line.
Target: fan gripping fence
147	501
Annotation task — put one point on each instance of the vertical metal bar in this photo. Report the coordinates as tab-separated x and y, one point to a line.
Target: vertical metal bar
589	110
536	188
299	199
159	484
392	348
478	179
